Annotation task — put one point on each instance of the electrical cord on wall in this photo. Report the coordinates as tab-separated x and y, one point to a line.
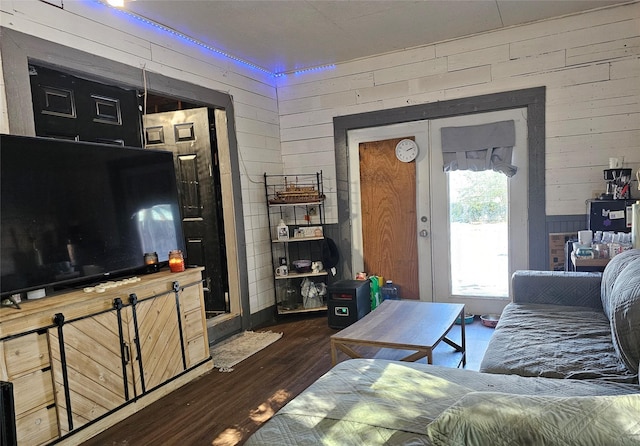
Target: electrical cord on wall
144	84
144	139
244	168
144	103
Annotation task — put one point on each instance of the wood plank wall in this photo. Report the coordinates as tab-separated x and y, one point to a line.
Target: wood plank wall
588	62
96	29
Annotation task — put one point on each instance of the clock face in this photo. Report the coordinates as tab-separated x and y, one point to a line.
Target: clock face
406	150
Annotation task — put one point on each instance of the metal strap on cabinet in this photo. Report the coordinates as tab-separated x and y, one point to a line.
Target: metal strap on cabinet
176	289
133	300
124	348
58	320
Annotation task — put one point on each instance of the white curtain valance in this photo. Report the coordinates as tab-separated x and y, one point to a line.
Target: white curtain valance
479	147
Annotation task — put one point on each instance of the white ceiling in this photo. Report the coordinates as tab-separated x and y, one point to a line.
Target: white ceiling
289	35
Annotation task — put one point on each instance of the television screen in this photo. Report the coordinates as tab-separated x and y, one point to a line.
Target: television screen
71	211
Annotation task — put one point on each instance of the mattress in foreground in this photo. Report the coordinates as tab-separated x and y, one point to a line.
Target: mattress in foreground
372	402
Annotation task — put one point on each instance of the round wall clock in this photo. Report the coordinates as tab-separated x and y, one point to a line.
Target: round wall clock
406	150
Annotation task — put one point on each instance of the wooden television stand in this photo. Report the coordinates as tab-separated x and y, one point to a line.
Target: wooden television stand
81	362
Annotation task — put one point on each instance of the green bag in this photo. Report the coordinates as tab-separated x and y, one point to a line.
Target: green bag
375	292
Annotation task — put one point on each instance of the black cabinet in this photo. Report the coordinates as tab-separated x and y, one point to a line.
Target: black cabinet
609	215
348	302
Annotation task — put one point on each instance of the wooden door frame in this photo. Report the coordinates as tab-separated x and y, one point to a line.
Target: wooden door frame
533	99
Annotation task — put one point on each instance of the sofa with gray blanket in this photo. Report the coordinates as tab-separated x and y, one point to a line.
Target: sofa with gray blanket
560	369
571	325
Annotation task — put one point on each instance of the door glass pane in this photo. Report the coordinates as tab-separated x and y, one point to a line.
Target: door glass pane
479	242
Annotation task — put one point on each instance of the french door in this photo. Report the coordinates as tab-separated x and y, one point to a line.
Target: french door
478	272
417	250
479	221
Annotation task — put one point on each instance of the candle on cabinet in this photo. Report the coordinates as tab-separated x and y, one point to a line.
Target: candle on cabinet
151	261
176	261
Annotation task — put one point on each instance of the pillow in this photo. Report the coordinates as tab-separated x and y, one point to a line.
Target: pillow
500	419
625	314
610	276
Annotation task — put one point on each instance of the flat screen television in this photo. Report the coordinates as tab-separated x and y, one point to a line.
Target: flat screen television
75	212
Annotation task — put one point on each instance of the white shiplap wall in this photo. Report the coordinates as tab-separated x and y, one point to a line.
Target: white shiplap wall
589	64
96	29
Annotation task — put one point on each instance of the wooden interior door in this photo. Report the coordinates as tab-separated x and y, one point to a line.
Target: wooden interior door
389	224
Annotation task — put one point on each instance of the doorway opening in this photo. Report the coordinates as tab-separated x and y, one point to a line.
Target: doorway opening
472	225
70	106
200	190
532	99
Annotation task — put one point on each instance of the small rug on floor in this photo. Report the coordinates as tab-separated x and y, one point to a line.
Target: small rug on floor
239	347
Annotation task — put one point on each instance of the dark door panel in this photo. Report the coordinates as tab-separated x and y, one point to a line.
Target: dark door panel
69	107
186	133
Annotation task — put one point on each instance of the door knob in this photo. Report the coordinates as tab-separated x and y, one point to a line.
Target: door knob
423	233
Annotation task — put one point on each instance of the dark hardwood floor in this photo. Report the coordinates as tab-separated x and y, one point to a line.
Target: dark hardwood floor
221	409
225	408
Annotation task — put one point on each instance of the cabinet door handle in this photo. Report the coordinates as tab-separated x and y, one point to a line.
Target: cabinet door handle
127	355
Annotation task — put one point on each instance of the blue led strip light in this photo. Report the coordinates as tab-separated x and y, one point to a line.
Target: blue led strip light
208	47
308	70
185	37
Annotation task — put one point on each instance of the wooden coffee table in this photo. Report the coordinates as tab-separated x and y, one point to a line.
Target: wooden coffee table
403	325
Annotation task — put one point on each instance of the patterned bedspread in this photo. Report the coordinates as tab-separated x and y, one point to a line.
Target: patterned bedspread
374	401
